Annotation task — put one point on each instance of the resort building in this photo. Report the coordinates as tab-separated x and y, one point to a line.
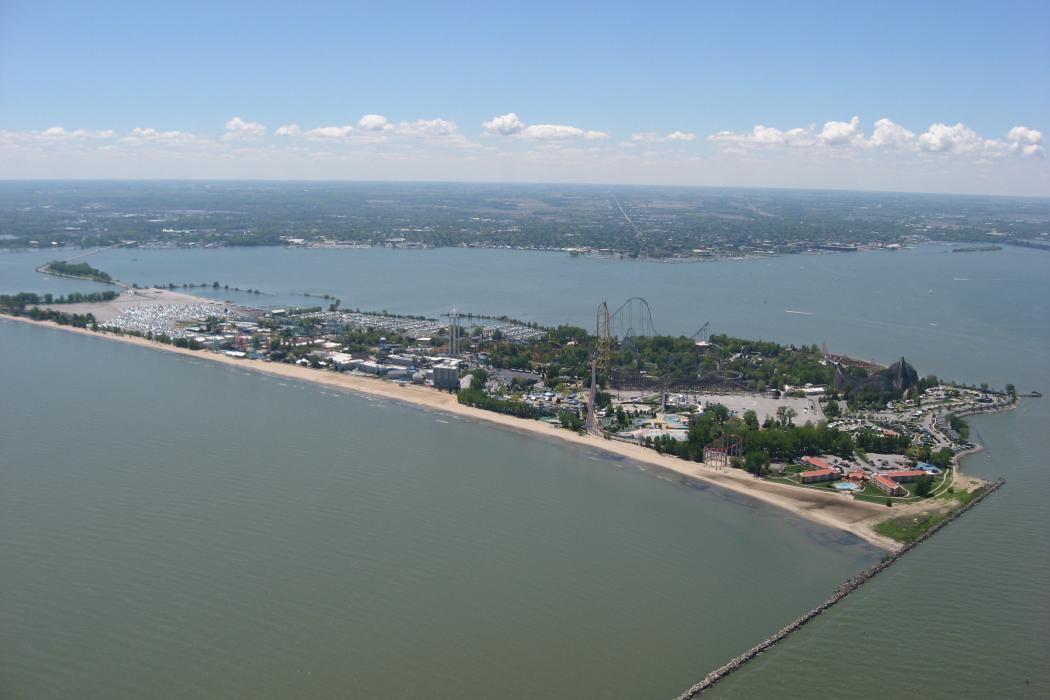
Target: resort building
817	475
888	486
816	463
902	475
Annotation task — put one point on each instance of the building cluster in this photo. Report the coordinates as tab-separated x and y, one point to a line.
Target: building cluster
423	329
423	354
818	470
926	420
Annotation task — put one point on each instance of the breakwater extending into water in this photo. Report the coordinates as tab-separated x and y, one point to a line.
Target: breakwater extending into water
849	586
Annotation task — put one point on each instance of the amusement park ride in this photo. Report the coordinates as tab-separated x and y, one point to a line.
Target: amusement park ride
633	319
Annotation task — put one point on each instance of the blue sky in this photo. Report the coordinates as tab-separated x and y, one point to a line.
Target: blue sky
619	78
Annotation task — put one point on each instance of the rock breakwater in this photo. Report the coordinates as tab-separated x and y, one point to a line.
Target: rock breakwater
851	584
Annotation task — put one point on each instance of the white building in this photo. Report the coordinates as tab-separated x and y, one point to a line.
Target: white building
400	360
342	361
446	376
371	367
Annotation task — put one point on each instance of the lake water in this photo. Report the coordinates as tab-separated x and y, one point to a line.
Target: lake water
171	524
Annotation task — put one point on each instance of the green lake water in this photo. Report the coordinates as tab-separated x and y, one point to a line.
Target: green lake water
173	528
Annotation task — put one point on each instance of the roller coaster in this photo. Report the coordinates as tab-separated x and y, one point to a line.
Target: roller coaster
633	320
623	328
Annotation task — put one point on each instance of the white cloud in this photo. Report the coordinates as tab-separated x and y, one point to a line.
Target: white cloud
888	134
941	138
653	137
1025	141
510	124
833	133
142	135
551	132
428	128
60	133
762	135
375	129
505	125
323	133
374	122
841	133
238	129
1024	135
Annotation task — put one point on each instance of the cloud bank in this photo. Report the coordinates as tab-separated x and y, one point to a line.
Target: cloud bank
888	136
945	156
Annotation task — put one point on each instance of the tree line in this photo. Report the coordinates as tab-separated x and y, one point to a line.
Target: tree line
24	299
61	267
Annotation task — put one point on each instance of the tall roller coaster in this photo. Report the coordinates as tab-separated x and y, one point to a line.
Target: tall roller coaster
632	319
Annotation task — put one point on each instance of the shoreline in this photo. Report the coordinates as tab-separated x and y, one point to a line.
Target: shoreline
828	509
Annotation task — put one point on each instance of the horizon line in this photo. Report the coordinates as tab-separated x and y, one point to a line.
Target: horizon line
351	181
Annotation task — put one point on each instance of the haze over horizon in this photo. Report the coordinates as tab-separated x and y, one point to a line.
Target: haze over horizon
940	99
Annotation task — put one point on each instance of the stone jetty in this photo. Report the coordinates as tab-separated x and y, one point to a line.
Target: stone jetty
841	592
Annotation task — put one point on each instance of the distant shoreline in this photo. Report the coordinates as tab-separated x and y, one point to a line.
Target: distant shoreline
589	254
828	509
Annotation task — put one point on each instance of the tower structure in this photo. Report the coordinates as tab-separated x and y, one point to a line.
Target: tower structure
603	333
453	332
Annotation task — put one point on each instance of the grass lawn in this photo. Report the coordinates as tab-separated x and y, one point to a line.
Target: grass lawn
963	497
874	494
907	528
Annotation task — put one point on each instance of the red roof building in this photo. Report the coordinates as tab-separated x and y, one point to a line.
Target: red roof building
905	475
887	485
816	475
815	462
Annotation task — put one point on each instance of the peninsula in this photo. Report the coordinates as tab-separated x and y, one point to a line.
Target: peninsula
868	450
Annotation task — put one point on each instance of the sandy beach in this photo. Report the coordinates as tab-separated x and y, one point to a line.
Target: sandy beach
828	509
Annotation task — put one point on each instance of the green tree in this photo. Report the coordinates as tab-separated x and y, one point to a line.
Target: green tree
942	458
751	419
479	378
718	412
924	486
756	462
785	415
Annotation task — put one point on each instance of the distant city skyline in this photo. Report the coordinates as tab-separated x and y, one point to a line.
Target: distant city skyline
938	98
